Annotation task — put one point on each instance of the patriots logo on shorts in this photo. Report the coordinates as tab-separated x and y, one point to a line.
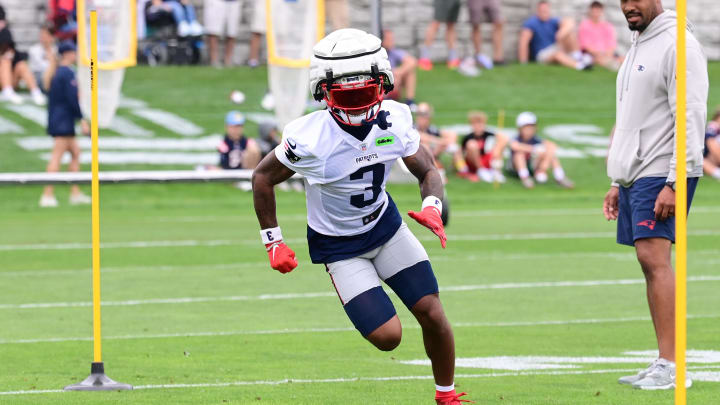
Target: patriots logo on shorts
289	154
648	222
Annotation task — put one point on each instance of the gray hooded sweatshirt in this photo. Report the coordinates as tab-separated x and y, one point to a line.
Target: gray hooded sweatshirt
644	141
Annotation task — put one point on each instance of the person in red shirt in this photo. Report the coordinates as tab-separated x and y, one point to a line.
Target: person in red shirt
598	39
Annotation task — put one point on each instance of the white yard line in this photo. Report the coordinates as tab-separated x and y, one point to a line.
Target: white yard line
489	256
166	119
310	295
356	379
9	127
299	241
346	329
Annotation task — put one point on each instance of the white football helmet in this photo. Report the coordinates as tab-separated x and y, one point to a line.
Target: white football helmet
350	70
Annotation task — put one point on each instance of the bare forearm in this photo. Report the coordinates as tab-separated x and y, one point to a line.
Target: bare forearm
432	185
266	175
422	166
264	201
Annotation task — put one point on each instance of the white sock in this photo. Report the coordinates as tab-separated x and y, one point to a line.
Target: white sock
524	173
35	91
541	177
716	173
445	389
558	173
8	90
577	55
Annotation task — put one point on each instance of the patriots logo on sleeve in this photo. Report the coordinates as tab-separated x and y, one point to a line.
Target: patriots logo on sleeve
289	154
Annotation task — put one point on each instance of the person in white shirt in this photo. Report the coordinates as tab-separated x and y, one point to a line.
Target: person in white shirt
642	164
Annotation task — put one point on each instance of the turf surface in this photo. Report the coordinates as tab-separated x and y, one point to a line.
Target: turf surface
190	298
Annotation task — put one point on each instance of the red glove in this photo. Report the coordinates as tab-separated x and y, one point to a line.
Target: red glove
430	218
282	258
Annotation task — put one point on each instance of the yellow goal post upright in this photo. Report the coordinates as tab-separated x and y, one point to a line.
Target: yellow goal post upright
293	27
681	207
117	50
97	381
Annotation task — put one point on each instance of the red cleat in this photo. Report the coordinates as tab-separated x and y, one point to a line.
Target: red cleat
471	177
450	398
453	63
425	64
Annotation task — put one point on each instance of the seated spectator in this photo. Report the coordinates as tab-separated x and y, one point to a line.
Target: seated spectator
403	67
711	163
487	11
158	16
445	12
438	141
597	38
159	13
14	68
222	17
268	137
534	156
63	112
237	151
42	58
548	40
62	18
483	150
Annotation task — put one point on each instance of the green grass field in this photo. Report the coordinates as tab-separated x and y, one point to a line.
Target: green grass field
194	315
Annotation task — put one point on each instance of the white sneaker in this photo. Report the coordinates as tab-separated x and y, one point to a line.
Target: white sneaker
541	178
11	96
183	28
244	185
485	175
498	177
80	199
196	29
485	62
660	376
38	97
632	379
48	201
467	68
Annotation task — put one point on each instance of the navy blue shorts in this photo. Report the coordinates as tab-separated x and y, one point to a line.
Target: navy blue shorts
636	216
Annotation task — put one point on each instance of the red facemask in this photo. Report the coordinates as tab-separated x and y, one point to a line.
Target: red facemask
356	99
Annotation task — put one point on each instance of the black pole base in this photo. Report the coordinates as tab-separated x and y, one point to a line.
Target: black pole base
98	381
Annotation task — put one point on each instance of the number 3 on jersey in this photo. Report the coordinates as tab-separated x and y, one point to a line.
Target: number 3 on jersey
378	175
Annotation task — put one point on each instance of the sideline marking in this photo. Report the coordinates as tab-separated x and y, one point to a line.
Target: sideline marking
347	329
301	241
285	296
357	379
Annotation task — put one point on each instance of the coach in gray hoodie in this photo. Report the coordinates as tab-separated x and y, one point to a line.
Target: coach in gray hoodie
642	160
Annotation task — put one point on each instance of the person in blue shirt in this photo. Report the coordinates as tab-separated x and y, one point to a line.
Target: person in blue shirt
711	162
549	40
63	112
236	150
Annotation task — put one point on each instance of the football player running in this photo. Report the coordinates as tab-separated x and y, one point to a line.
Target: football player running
354	228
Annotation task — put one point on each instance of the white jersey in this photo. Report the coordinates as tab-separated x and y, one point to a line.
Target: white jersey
345	177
